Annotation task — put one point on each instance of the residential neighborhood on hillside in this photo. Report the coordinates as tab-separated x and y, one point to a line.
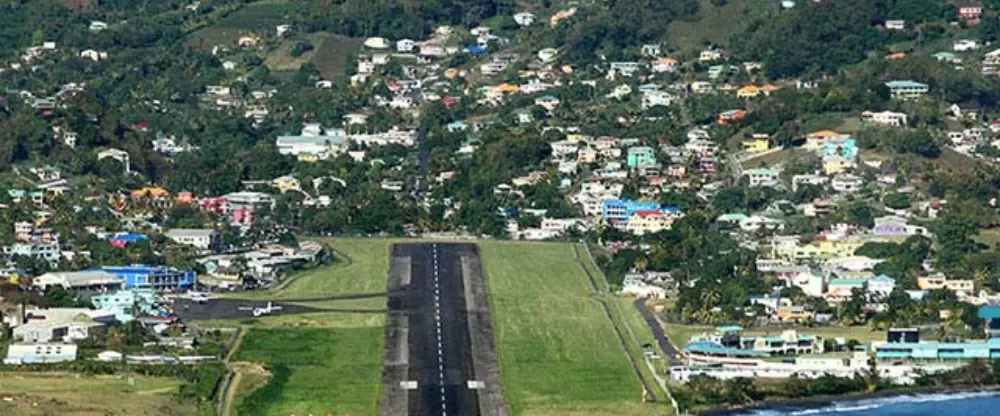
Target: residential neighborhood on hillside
589	207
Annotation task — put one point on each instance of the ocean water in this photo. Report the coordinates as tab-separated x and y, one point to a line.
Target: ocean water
951	404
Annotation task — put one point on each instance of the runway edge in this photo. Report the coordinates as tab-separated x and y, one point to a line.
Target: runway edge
484	357
395	359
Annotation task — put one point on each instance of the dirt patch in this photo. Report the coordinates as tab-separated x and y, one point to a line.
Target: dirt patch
332	55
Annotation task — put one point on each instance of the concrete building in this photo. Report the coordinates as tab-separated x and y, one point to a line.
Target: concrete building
204	239
762	177
85	280
641	156
152	277
906	89
40	353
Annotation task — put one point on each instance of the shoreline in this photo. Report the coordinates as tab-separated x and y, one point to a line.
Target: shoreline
817	402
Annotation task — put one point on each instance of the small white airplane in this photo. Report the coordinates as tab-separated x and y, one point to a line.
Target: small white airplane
266	310
200	297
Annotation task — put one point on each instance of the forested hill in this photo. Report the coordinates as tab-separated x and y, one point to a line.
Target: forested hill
824	36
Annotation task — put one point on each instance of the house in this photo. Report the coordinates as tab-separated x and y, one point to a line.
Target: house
94	55
895	24
885	118
969	112
650	49
649	222
405	45
890	225
547	102
709	55
965	45
905	89
123	240
621	210
842	289
657	98
700	87
939	281
40	353
627	69
547	55
204	239
881	286
323	84
432	49
98	26
749	91
731	115
949	57
561	15
524	19
282	30
664	65
970	12
847	183
804	180
762	177
641	156
756	143
248	41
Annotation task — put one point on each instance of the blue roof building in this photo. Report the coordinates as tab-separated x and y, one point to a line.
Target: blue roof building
152	277
622	209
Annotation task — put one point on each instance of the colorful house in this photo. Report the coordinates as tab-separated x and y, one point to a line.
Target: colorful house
649	222
749	91
641	156
123	240
731	115
756	144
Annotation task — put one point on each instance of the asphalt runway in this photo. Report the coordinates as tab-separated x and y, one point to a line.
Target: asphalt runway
440	348
189	310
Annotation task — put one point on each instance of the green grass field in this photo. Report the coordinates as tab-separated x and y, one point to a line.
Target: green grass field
77	394
717	24
314	371
558	353
362	266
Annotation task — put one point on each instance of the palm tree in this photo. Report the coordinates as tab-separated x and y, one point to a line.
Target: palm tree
709	299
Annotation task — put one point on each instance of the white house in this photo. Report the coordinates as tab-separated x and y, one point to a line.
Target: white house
405	45
895	24
547	102
524	18
204	239
94	55
965	45
847	183
762	177
656	98
547	55
282	30
885	118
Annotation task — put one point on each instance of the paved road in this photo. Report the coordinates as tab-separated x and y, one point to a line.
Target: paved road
440	354
188	310
661	337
